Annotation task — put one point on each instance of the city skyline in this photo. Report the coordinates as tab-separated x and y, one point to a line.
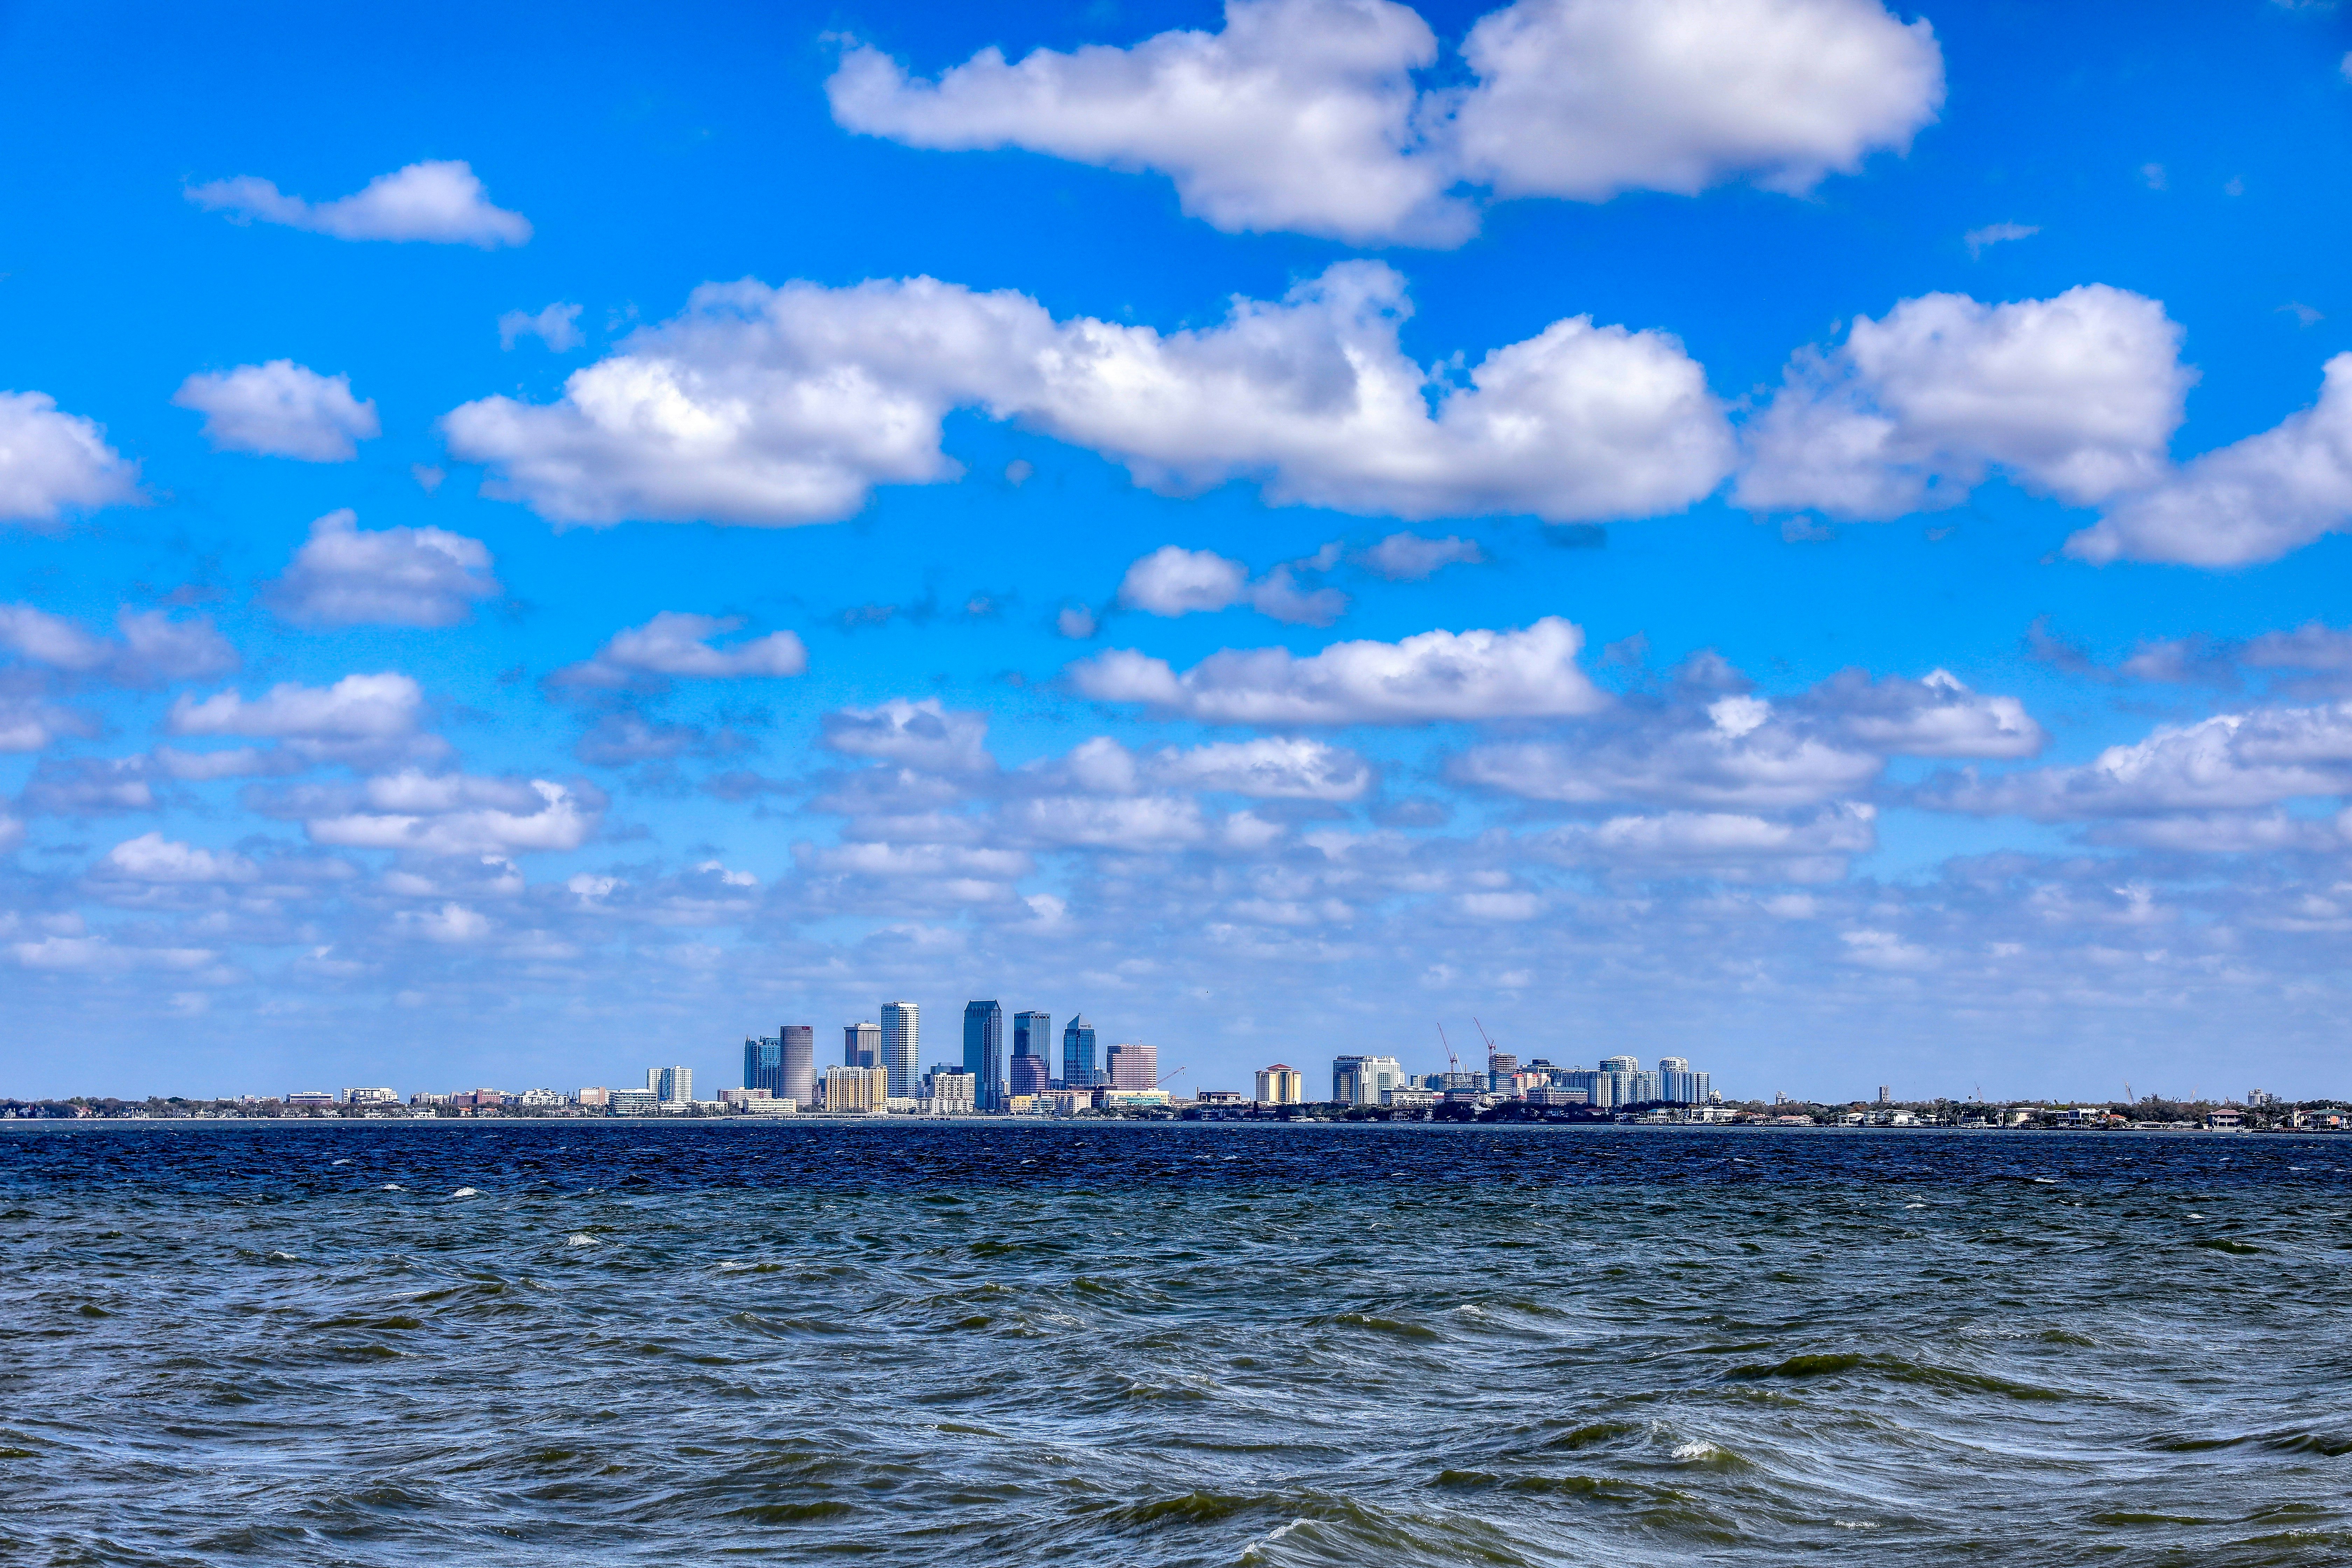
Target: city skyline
1828	561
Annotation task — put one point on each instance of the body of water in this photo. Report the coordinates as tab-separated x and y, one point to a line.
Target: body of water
580	1344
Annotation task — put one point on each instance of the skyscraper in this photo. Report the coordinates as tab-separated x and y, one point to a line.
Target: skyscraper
1133	1066
902	1048
764	1066
861	1045
797	1045
1280	1085
1033	1038
1078	1054
983	1053
671	1085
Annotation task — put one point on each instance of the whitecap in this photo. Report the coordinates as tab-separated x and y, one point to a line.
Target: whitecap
287	1255
2047	1181
2192	1217
1687	1452
465	1193
731	1267
1915	1205
391	1187
339	1161
581	1238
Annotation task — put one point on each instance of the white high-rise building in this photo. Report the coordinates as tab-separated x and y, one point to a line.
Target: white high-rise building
671	1085
1365	1080
902	1048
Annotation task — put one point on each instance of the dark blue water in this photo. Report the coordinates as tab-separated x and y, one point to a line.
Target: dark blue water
1156	1344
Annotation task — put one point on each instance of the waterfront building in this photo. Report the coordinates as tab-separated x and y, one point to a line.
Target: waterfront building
856	1092
1502	1067
861	1045
1030	1076
632	1102
1132	1067
1078	1070
1280	1085
1032	1035
539	1099
309	1097
1362	1081
594	1098
902	1047
949	1091
374	1097
798	1077
1410	1099
735	1098
763	1064
1134	1098
1679	1084
1885	1094
983	1052
1553	1095
771	1106
671	1085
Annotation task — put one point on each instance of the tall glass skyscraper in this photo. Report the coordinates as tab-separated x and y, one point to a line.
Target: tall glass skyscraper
902	1048
763	1065
861	1045
1078	1054
1032	1035
983	1053
797	1045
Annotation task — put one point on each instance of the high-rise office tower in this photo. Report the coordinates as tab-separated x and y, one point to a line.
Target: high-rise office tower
764	1066
902	1048
1501	1068
1030	1076
983	1053
1133	1066
1365	1080
861	1045
1078	1070
1032	1035
670	1085
1280	1085
797	1045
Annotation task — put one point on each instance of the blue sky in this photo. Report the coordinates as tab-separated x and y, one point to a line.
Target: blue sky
1793	534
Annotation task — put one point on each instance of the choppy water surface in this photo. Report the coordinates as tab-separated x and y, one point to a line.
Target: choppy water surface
1170	1344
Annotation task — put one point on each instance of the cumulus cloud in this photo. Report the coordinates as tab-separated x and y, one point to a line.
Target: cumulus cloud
52	463
27	725
1437	675
439	202
359	719
1137	823
557	326
1937	716
1746	756
1735	846
2074	397
88	786
149	649
2245	503
1268	768
453	813
676	646
1411	557
786	405
925	736
1173	581
281	410
346	575
151	857
1303	115
2231	762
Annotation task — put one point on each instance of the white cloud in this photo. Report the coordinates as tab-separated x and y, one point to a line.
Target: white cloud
2231	762
439	202
356	708
1075	622
2074	397
152	649
1268	768
786	405
151	857
1173	581
281	410
1584	98
925	861
1723	843
2245	503
677	646
26	725
452	923
433	816
1303	114
1137	823
1411	557
922	735
53	463
1435	676
1935	717
557	326
1978	240
1299	115
345	576
1745	758
234	763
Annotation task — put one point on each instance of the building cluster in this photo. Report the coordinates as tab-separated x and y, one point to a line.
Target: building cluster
1618	1082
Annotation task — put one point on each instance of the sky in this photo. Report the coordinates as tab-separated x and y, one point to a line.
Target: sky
539	541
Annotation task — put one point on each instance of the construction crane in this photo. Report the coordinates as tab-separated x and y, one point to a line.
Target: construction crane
1488	1037
1163	1077
1453	1062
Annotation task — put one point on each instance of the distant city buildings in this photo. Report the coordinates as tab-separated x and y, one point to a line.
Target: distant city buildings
1032	1043
1133	1069
983	1052
861	1045
1078	1070
1280	1085
671	1085
856	1092
1365	1080
902	1047
948	1091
